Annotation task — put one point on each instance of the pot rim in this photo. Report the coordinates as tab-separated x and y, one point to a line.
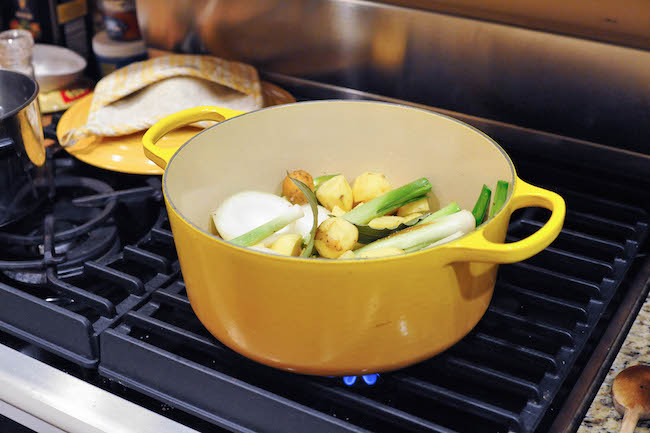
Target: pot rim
269	256
13	112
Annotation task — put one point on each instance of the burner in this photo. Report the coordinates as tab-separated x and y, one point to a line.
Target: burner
78	233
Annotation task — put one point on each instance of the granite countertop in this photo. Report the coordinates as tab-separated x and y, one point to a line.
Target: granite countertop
602	417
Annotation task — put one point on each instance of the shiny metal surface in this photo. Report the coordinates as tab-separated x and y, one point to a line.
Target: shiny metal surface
59	400
565	85
530	141
22	147
625	22
25	419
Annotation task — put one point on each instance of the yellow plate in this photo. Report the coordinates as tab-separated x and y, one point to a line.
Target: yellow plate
125	153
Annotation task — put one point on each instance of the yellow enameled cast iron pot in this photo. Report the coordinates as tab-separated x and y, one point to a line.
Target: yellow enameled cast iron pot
339	317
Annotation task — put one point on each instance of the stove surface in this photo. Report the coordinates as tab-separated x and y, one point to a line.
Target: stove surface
91	285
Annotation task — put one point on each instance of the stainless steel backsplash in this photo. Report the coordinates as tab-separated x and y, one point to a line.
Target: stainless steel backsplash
557	83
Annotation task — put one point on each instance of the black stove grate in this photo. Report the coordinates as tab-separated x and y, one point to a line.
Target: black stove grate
126	312
73	307
502	377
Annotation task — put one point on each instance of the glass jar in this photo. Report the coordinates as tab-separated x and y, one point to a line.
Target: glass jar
16	48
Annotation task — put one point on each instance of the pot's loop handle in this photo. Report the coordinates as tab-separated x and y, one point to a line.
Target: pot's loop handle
162	155
477	248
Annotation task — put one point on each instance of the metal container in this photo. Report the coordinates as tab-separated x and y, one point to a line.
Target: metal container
339	317
23	175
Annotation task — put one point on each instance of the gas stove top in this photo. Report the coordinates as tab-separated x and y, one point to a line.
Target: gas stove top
90	284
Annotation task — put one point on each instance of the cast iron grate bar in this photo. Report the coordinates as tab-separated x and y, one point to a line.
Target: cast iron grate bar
549	302
498	378
455	399
575	236
171	298
84	304
229	403
162	235
518	351
135	318
589	288
394	416
99	303
508	319
129	282
156	261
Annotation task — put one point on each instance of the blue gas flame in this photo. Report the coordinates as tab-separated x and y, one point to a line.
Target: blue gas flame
369	379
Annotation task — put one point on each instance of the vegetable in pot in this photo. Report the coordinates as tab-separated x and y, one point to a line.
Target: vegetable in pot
388	202
411	217
368	186
499	197
304	225
335	192
462	221
337	211
322	179
262	232
385	222
381	227
268	223
247	210
418	206
436	243
451	208
481	207
334	237
313	205
288	245
291	191
347	255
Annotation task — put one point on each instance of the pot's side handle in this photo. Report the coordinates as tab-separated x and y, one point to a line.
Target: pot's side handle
477	248
162	155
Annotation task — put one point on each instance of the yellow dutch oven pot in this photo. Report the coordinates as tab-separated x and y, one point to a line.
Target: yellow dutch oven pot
339	317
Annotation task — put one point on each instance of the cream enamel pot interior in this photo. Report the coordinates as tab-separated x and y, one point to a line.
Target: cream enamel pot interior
339	317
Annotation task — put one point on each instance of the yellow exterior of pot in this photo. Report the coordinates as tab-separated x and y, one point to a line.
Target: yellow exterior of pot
347	317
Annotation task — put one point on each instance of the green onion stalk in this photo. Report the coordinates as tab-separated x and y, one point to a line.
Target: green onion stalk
436	243
451	208
499	197
262	232
422	235
388	202
481	206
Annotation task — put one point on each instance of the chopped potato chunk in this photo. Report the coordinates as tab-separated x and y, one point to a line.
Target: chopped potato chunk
369	185
337	211
334	237
291	191
335	192
414	207
386	222
348	255
288	245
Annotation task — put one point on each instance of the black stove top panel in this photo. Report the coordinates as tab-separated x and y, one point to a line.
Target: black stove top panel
91	279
